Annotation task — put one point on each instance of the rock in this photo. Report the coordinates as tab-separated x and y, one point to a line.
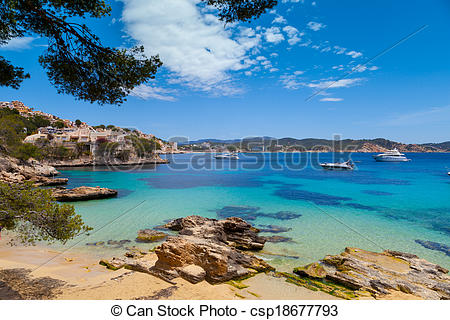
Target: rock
204	249
277	239
135	253
313	270
114	263
382	273
48	182
13	170
96	244
192	273
83	194
149	235
220	261
233	231
214	245
273	229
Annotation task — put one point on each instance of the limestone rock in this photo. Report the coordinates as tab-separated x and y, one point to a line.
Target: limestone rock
192	273
83	193
312	270
220	261
149	235
383	273
13	170
233	231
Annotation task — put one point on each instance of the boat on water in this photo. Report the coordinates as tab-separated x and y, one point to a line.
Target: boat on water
391	156
230	156
347	165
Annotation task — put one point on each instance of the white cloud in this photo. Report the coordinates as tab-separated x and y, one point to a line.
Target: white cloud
17	44
274	35
341	83
290	82
297	73
293	35
331	99
339	50
149	92
315	26
194	46
274	70
279	19
354	54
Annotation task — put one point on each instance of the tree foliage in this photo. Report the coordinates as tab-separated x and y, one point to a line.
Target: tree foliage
76	61
33	215
241	10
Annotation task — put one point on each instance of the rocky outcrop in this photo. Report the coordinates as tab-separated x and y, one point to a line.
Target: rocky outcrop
232	231
149	235
83	193
204	249
13	170
381	274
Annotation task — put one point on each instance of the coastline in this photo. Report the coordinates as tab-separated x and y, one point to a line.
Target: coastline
75	276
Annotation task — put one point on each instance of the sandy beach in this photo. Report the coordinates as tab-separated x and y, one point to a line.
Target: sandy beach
41	272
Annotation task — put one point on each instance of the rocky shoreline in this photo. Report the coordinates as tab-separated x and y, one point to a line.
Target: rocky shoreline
218	251
13	170
204	249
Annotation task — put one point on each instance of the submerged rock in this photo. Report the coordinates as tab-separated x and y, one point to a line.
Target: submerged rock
277	239
149	235
83	193
435	246
382	273
273	229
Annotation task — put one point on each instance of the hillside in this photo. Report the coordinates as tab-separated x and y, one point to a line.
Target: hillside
312	144
25	134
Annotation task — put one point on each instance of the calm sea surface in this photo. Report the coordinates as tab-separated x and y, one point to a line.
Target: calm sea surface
378	206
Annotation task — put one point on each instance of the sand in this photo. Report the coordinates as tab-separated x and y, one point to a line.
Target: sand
42	273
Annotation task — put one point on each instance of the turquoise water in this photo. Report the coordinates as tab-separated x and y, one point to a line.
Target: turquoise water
378	206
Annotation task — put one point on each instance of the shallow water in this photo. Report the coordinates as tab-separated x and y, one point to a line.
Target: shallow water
378	206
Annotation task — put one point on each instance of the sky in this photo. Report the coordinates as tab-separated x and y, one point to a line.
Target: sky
306	69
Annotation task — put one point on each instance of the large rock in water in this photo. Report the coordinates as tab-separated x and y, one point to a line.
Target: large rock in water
83	193
382	273
232	231
214	246
204	249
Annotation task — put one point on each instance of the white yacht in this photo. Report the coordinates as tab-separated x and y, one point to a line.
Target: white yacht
391	156
348	165
231	156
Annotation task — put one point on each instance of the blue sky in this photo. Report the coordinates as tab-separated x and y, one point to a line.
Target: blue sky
254	78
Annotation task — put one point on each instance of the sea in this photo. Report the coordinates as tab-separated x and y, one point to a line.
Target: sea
311	212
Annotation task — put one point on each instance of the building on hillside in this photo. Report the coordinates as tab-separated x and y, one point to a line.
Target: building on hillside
35	137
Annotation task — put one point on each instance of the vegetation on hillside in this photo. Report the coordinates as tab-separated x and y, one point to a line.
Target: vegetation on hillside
14	128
